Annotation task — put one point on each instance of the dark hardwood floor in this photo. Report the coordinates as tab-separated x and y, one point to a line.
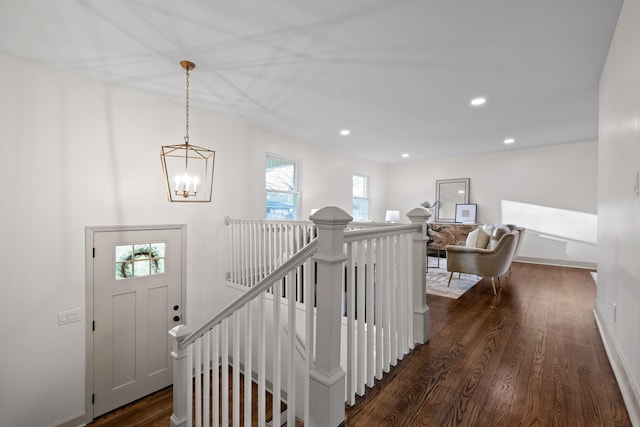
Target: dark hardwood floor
156	409
531	356
151	411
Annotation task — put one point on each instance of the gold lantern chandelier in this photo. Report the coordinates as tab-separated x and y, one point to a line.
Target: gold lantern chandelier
188	169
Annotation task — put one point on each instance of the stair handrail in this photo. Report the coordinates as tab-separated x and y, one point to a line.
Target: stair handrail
389	230
277	274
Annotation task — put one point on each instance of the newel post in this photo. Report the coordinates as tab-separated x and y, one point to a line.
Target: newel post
181	378
421	320
327	379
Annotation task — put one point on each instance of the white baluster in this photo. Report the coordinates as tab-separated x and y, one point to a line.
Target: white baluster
235	331
188	391
291	371
386	300
277	354
206	383
379	283
370	314
351	332
402	301
248	367
243	251
224	370
250	250
215	366
262	406
197	350
393	303
360	296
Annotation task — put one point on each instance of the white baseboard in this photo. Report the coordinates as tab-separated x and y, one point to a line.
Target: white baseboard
620	368
79	420
558	262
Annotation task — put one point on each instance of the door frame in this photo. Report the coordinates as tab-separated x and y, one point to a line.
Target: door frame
89	234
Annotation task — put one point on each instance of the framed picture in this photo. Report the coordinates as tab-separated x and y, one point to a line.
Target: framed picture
466	213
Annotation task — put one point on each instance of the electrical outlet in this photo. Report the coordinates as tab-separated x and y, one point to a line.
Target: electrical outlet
68	316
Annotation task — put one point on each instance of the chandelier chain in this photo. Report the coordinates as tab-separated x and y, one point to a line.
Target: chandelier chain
186	135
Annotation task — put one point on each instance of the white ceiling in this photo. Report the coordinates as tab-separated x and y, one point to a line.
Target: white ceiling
398	73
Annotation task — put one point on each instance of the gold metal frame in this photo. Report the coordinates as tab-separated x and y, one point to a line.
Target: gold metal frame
185	158
188	152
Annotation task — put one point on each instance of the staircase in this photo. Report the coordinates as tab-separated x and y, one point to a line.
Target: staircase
324	314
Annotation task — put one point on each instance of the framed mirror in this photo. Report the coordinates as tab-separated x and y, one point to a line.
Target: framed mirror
449	193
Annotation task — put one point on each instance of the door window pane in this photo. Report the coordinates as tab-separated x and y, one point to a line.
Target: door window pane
142	251
141	268
139	259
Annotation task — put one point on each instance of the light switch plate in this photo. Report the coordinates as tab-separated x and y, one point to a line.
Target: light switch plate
68	316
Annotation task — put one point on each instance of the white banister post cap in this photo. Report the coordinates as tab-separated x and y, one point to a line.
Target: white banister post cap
418	215
180	331
331	215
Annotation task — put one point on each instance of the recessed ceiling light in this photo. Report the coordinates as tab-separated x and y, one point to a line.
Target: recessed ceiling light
405	155
509	141
345	132
478	101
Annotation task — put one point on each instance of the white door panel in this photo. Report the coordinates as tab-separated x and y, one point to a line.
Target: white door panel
136	298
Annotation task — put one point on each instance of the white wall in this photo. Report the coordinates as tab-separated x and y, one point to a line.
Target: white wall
619	206
321	169
549	190
79	153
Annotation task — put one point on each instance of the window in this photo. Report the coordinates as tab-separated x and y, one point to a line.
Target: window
139	259
281	178
360	198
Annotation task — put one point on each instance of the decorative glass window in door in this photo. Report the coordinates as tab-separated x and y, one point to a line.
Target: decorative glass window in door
139	260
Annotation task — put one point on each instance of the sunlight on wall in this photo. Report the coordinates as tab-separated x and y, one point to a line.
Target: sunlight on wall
552	223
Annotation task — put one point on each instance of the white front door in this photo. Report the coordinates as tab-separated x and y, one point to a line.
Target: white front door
137	291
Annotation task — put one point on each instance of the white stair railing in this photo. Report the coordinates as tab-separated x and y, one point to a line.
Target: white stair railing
257	247
367	284
202	358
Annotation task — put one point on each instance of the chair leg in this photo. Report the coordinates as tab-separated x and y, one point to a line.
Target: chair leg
450	276
493	283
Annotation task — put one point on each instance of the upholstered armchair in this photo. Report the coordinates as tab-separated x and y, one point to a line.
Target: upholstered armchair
493	261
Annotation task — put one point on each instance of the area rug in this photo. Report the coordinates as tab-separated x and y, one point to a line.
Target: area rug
437	278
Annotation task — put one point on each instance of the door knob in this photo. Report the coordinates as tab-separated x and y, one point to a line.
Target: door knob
176	318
